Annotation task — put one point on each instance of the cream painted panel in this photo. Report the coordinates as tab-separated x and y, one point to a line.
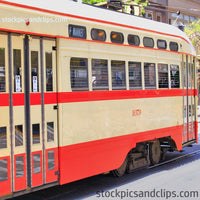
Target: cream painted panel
89	121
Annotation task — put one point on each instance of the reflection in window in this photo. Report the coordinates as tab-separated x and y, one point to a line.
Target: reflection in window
161	44
173	46
18	135
3	137
148	42
34	71
49	72
36	163
135	76
50	131
17	70
118	74
2	70
98	34
36	133
117	37
4	170
79	74
19	166
174	73
163	75
133	40
99	74
149	75
51	160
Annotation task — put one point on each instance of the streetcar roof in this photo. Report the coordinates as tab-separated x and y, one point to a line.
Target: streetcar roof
95	13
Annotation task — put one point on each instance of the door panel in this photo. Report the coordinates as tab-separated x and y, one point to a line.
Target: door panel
19	136
188	99
5	148
35	112
50	101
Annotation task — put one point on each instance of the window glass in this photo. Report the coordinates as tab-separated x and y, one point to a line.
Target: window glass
79	74
161	44
3	137
2	70
148	42
133	40
34	71
50	131
135	76
51	160
175	79
4	170
163	76
17	70
49	72
19	166
18	135
36	163
77	31
118	74
36	133
99	74
98	34
149	75
117	37
173	46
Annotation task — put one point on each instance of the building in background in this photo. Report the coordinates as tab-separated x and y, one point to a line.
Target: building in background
189	11
157	10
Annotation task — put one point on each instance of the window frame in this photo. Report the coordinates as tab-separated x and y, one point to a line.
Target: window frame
144	38
159	47
171	47
98	30
77	26
135	36
119	33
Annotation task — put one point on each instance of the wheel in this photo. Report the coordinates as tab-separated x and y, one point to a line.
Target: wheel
155	152
121	170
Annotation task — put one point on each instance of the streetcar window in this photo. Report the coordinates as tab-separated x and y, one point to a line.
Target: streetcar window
4	170
118	74
79	74
77	31
34	71
3	137
135	75
148	42
19	162
36	133
99	74
150	75
49	72
173	46
18	135
174	73
133	40
50	131
117	37
51	160
17	70
161	44
98	34
36	163
163	76
2	70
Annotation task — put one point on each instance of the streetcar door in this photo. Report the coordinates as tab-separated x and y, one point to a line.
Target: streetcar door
43	111
188	99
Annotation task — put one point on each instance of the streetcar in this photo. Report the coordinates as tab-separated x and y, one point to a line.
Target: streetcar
85	91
